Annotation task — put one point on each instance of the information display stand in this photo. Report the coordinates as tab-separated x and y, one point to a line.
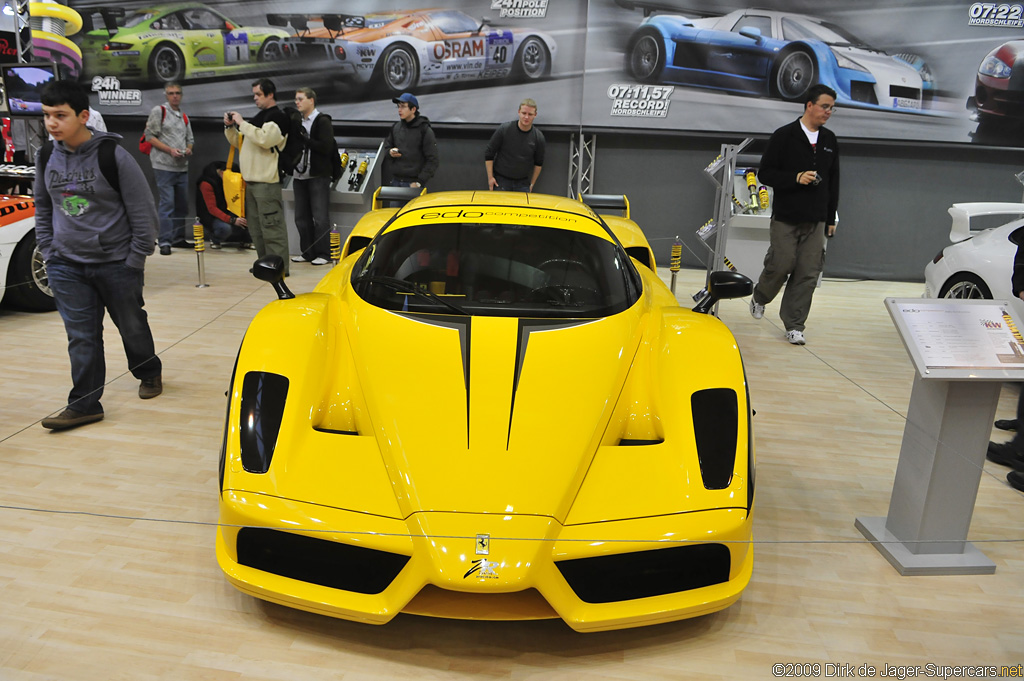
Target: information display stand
962	350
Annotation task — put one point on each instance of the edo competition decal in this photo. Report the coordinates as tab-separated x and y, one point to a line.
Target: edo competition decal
521	9
993	14
650	101
110	93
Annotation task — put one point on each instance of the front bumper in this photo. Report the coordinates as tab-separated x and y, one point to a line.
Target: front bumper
533	567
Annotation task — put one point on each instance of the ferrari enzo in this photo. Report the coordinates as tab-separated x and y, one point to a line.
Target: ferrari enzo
773	54
23	281
492	408
978	263
998	94
176	42
397	51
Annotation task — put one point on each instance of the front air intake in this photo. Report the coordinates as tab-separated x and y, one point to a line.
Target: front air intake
318	561
627	576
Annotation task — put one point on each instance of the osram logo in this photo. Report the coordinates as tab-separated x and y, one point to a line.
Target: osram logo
448	215
459	49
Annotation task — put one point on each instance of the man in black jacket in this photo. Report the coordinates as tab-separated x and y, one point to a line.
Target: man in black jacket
312	183
411	145
801	164
1012	453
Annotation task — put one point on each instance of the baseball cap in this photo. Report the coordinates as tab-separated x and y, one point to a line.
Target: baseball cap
408	98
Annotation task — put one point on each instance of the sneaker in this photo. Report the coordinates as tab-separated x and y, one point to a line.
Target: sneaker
1005	455
182	243
69	418
1006	424
165	250
796	337
299	258
756	311
215	246
319	261
1016	480
151	387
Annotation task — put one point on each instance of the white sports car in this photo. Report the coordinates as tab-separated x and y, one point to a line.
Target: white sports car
23	281
978	264
396	51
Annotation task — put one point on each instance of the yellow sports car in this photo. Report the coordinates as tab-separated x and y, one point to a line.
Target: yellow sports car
491	408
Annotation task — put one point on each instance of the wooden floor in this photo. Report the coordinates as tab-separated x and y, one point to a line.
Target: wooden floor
107	566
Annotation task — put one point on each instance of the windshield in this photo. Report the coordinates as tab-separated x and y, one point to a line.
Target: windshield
830	34
498	270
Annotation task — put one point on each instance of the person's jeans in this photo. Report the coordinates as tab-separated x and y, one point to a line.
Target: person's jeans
220	231
82	292
507	184
313	216
172	204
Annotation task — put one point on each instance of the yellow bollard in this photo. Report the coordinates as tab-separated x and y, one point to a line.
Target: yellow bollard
200	246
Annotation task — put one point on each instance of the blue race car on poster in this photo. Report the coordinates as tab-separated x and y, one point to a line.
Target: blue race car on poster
771	54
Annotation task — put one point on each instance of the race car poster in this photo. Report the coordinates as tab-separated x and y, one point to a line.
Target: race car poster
903	70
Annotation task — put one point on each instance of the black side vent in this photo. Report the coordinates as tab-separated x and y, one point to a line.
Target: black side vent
357	243
318	561
714	427
641	254
638	443
627	576
259	420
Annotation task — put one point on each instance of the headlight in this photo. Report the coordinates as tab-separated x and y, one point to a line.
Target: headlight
994	67
107	47
847	63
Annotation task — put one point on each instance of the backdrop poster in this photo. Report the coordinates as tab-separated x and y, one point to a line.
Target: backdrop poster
903	70
471	61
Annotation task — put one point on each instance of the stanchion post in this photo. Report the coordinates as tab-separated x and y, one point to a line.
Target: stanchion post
200	245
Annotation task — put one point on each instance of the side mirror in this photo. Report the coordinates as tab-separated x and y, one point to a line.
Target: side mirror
228	27
724	285
270	268
752	33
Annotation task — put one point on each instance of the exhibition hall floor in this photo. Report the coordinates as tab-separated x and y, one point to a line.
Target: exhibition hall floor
107	568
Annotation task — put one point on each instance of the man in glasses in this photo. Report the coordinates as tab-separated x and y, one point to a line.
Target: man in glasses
170	133
801	163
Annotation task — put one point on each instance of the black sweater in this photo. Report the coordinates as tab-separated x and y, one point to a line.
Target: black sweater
789	154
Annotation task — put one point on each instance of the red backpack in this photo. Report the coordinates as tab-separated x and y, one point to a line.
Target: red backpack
145	146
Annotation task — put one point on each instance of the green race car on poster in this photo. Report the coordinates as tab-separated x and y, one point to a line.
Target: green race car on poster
177	42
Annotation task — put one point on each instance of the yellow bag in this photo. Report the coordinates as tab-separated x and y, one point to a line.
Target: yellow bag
234	185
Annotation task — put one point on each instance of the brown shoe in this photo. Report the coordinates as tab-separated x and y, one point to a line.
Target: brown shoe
69	418
151	387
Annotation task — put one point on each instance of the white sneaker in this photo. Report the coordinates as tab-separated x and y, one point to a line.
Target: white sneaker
756	311
796	337
298	258
319	261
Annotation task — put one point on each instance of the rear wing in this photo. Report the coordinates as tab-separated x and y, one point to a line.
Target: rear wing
109	15
649	7
612	201
629	234
335	24
963	212
395	197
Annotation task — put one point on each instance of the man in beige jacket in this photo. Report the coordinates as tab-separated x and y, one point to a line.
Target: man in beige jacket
258	141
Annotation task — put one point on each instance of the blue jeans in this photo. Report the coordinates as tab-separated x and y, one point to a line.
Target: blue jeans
172	204
82	293
313	216
221	231
507	184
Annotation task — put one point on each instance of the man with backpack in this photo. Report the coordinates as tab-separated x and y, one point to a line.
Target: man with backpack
170	134
95	224
312	184
259	143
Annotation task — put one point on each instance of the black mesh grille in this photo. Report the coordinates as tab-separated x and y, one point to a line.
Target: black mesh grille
318	561
623	577
904	92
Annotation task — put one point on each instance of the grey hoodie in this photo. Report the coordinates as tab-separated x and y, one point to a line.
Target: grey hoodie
81	218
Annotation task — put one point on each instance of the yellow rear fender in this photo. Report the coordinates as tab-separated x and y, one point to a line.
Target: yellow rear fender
632	239
367	228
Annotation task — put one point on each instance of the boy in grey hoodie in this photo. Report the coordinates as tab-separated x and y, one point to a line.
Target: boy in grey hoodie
95	225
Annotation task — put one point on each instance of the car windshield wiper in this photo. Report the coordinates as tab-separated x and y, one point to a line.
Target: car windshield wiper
404	286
